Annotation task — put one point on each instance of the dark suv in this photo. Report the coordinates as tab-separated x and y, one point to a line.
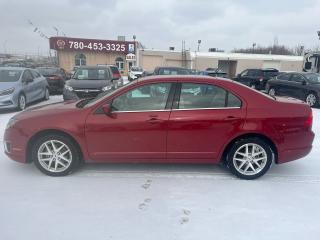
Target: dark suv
171	71
88	82
303	86
256	78
56	78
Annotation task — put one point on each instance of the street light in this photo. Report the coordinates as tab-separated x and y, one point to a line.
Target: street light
199	42
318	32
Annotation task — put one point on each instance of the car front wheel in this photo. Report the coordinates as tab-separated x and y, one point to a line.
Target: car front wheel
249	158
55	155
22	102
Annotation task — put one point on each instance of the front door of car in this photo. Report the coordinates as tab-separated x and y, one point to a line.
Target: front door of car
38	84
135	128
283	84
28	85
297	87
203	120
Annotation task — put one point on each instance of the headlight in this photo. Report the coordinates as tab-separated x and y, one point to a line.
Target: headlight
6	92
107	88
67	87
11	122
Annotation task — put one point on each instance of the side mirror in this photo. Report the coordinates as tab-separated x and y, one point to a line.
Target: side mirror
107	109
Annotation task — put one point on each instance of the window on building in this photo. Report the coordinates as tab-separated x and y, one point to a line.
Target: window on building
120	63
80	59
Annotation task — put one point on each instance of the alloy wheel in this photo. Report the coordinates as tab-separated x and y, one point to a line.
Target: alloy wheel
311	99
54	156
250	159
22	102
272	92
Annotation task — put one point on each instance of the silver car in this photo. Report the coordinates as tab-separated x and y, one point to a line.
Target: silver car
21	86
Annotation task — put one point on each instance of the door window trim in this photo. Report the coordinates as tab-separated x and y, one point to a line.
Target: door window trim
176	99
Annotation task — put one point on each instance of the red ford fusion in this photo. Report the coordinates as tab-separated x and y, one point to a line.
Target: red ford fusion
168	119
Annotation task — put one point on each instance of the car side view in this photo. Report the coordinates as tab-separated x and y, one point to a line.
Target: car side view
21	86
165	119
303	86
256	78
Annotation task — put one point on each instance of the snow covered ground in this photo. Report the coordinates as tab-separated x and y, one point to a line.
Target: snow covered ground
160	201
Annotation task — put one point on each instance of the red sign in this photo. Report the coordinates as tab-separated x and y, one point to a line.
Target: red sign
79	44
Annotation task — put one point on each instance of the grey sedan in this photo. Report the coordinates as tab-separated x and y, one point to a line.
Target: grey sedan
20	86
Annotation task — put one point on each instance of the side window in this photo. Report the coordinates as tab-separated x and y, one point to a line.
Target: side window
35	74
285	77
144	98
201	96
297	78
244	73
233	101
27	75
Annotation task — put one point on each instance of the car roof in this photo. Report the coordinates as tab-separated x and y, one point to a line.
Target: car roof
93	67
14	68
181	78
173	68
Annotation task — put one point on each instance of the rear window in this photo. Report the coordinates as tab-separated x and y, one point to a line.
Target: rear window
166	71
49	71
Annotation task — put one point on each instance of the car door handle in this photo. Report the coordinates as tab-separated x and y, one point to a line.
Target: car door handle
154	120
230	118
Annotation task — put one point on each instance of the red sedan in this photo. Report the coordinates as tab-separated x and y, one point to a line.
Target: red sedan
174	119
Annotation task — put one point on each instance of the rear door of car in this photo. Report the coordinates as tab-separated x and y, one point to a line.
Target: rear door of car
203	119
38	84
282	84
297	86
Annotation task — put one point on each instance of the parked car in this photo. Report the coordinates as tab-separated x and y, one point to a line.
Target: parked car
147	73
168	119
135	73
214	72
88	82
171	71
303	86
116	76
56	78
256	78
21	86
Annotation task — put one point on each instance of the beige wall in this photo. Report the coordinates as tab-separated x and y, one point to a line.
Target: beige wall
291	66
67	59
202	63
243	64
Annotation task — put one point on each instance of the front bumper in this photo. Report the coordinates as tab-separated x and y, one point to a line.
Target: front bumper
8	102
15	144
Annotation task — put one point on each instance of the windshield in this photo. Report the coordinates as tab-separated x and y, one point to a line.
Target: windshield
92	74
48	71
136	69
92	101
313	77
9	75
174	71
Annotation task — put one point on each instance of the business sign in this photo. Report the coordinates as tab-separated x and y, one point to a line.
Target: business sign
95	45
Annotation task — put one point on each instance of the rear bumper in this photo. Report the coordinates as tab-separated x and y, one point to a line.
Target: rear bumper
291	154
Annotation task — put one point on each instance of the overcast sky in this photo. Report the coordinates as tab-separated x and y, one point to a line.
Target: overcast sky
158	24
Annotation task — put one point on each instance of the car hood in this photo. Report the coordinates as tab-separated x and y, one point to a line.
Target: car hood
7	85
88	83
55	109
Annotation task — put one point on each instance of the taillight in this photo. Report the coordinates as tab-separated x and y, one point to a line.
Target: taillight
55	78
309	120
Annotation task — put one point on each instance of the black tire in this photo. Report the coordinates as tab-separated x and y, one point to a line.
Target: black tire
75	154
22	102
242	143
314	103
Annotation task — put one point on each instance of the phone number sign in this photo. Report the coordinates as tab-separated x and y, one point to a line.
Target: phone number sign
78	44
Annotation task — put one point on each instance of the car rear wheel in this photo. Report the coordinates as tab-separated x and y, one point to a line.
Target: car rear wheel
272	92
249	158
312	100
55	155
22	102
